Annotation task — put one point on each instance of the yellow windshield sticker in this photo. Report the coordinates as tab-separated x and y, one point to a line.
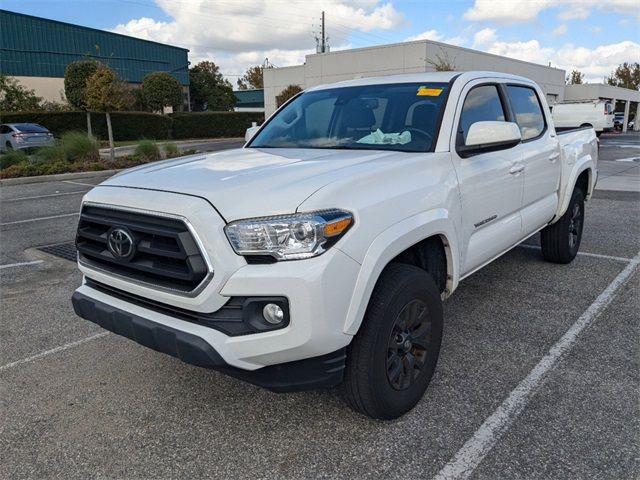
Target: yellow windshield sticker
429	92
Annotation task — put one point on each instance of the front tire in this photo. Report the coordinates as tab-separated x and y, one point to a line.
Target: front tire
392	358
561	241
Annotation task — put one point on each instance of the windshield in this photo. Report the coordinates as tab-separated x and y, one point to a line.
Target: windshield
401	117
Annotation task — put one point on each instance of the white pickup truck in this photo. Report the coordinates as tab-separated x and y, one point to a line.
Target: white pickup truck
319	254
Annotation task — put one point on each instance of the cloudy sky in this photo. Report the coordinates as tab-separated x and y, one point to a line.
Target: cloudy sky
589	35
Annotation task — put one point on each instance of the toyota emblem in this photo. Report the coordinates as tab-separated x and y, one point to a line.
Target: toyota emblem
120	243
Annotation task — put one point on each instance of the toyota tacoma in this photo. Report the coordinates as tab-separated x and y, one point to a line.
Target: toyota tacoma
319	254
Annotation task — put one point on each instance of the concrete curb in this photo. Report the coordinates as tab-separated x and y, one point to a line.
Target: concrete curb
56	178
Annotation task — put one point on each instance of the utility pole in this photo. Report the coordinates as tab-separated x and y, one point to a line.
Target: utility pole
323	46
322	43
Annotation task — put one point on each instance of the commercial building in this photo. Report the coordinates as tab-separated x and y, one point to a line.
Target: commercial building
408	57
36	51
617	95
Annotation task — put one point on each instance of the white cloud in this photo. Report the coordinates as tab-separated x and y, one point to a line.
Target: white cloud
522	11
595	63
485	38
436	36
598	62
512	11
576	12
559	30
231	32
428	35
457	40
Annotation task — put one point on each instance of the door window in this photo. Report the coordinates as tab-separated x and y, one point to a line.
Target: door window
482	104
528	111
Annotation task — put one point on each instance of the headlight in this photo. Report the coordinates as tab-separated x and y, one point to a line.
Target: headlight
289	237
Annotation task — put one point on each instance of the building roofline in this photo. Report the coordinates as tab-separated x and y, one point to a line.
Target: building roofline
440	44
50	20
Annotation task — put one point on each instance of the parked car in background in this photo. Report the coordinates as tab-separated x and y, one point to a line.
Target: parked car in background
18	136
596	114
618	121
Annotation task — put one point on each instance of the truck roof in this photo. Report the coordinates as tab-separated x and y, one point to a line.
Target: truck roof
426	77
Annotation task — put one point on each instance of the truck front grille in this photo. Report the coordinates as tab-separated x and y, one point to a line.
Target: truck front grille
163	251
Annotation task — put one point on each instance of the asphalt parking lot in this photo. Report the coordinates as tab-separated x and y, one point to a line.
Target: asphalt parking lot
78	402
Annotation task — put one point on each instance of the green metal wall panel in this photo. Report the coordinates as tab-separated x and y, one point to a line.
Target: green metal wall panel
249	98
38	47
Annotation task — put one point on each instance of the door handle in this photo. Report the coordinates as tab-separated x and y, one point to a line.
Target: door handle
516	169
553	157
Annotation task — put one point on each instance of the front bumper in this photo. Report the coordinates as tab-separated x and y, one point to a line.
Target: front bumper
319	372
318	290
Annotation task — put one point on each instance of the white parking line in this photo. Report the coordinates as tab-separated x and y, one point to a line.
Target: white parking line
35	197
21	264
52	351
38	219
463	463
582	254
79	183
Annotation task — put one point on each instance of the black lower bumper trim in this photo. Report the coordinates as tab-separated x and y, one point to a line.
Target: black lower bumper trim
312	373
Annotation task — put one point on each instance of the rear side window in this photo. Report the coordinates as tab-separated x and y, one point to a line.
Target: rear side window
528	111
482	104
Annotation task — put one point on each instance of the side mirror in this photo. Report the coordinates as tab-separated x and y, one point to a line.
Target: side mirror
490	136
251	131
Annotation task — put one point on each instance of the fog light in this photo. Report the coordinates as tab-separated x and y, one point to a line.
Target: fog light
272	313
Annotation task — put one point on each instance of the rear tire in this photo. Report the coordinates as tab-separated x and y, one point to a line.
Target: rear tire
561	241
391	360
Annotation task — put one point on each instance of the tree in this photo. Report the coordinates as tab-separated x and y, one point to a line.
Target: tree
286	94
442	62
14	97
75	85
576	78
107	93
208	88
252	78
160	90
626	75
139	102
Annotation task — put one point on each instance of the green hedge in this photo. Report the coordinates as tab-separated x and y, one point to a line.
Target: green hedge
126	125
213	124
142	125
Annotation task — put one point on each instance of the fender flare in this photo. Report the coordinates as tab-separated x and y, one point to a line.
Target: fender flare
585	163
391	242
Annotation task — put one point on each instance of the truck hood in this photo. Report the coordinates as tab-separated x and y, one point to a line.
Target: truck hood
252	182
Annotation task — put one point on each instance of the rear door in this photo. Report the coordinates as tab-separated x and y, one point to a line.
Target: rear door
491	184
540	152
5	132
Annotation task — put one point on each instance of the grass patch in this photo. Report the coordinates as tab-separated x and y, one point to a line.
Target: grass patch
79	147
147	151
53	154
50	161
171	150
13	157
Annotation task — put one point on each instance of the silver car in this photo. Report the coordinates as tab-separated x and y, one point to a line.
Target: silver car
15	136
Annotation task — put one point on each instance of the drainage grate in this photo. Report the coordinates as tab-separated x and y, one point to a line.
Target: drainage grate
62	250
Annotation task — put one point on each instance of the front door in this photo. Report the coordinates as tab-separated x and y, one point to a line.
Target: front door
491	184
